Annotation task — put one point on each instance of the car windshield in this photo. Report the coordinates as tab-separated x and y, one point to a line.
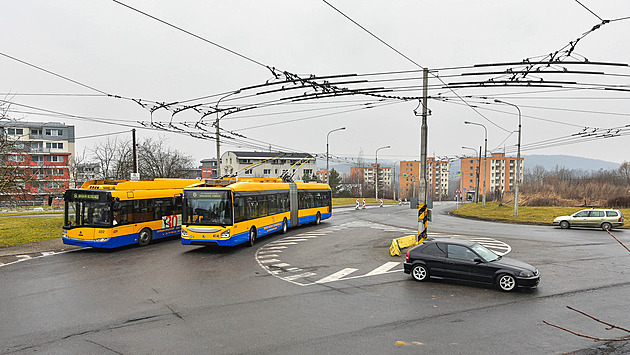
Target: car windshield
485	253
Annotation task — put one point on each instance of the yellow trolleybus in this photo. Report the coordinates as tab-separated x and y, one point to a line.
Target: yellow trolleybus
231	213
110	214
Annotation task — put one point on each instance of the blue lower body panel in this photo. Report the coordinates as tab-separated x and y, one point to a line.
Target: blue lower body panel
122	240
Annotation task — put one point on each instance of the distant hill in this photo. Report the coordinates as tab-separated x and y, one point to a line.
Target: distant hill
549	162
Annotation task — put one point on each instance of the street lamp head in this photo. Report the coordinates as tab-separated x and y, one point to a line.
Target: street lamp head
497	100
467	122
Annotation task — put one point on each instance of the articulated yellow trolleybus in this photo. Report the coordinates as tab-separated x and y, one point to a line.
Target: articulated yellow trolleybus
229	213
110	214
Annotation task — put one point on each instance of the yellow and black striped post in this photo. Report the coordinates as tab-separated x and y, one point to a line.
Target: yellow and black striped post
423	213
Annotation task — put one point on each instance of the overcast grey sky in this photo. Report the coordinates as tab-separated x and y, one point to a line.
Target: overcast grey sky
115	50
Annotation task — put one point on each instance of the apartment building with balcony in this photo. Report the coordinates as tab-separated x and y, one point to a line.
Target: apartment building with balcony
437	178
40	151
500	172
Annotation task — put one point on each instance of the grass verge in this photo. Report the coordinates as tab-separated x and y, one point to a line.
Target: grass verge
526	214
14	231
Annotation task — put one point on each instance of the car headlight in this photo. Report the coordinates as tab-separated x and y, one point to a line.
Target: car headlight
225	234
526	273
101	240
184	233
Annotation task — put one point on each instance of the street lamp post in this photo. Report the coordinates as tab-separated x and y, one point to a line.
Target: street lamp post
338	129
477	172
485	158
376	179
518	157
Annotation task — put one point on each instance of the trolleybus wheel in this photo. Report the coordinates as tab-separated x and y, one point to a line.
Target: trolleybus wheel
145	237
252	237
285	226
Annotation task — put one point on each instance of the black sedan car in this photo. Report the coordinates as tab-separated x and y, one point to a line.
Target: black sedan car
463	260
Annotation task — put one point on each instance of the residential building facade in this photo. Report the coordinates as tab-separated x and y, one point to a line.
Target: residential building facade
268	164
209	169
42	152
500	172
437	178
367	175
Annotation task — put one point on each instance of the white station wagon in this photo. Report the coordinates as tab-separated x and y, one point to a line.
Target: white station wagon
598	218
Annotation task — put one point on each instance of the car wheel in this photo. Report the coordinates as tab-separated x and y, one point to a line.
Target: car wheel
252	237
285	226
318	218
506	282
606	226
420	273
145	237
564	225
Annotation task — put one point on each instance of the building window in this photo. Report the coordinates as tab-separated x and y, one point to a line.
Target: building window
15	131
37	158
54	158
54	132
267	171
16	158
54	145
248	172
36	131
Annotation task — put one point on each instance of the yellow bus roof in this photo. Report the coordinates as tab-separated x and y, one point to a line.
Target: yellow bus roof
157	184
254	185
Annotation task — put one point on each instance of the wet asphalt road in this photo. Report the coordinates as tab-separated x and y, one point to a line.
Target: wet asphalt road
331	288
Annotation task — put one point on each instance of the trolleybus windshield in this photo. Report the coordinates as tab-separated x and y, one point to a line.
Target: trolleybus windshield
87	209
209	208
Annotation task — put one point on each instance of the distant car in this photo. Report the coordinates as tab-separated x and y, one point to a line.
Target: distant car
465	260
605	219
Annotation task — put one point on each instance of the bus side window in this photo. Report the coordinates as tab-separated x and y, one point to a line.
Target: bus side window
239	209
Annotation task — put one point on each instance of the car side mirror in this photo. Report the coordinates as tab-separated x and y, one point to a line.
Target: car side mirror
478	260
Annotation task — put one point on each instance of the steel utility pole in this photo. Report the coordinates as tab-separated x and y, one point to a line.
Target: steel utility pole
424	134
135	157
326	180
216	123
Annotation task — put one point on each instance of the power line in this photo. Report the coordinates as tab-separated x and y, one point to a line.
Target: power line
57	75
589	10
191	34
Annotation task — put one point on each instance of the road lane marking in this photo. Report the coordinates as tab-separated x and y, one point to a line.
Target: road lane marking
299	276
383	268
281	265
337	276
268	261
269	256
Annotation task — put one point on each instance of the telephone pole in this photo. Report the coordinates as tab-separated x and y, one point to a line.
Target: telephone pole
424	134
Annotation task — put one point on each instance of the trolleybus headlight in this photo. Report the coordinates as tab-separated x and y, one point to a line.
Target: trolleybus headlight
184	233
225	234
101	240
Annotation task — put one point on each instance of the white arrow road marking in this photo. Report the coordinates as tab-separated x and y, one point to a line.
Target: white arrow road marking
336	276
383	268
22	257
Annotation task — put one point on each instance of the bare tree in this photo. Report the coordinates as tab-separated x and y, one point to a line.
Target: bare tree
155	159
624	171
13	177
